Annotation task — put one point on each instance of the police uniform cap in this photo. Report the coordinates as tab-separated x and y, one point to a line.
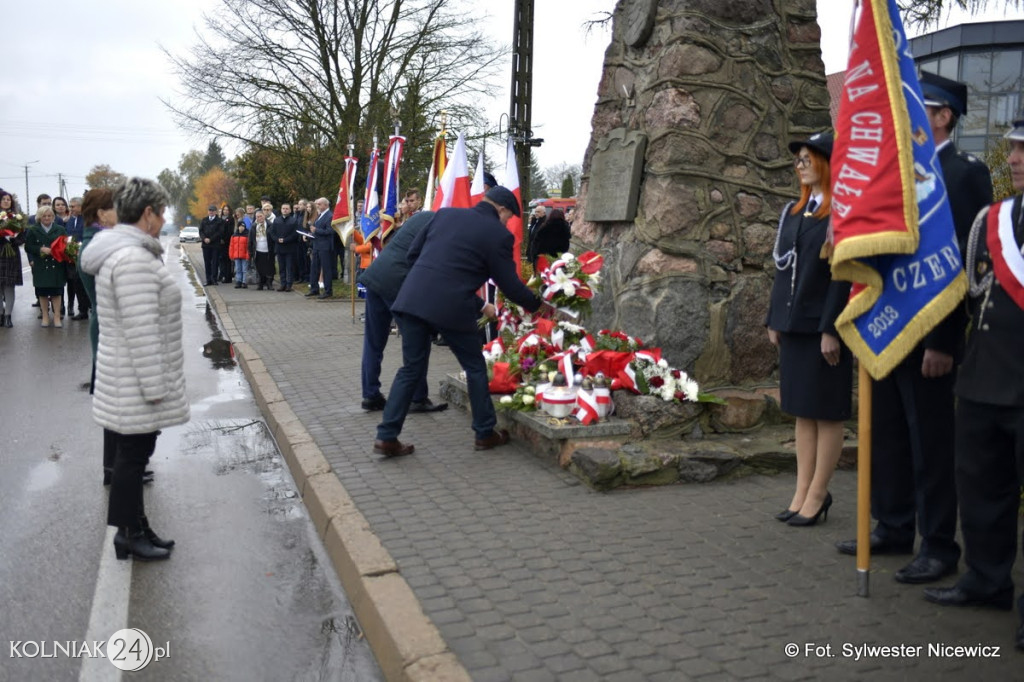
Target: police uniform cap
944	92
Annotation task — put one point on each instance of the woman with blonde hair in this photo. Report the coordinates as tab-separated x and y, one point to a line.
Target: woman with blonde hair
48	276
815	368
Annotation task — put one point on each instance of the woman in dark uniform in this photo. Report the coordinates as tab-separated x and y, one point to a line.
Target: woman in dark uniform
815	368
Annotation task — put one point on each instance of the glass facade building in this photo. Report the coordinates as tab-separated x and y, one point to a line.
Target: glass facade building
989	58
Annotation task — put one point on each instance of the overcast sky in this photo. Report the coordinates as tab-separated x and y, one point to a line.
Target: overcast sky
84	80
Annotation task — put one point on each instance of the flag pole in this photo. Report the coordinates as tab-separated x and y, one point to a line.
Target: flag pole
352	254
863	481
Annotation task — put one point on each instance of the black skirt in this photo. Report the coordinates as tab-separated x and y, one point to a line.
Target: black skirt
809	386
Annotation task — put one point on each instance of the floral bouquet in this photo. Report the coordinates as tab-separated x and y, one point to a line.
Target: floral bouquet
11	225
649	374
606	339
65	249
569	282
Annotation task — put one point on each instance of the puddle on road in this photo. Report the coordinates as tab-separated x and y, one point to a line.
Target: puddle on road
244	445
219	350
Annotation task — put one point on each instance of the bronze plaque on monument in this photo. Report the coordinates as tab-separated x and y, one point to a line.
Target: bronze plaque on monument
615	176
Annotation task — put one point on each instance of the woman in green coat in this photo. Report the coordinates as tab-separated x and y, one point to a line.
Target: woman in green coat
48	275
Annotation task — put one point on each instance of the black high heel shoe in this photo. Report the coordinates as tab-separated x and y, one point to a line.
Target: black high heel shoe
785	515
151	535
135	543
798	520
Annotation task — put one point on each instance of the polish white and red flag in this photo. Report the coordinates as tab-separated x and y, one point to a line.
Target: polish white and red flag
515	224
453	192
476	189
342	220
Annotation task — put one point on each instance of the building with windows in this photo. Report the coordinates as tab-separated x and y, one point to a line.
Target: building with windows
989	58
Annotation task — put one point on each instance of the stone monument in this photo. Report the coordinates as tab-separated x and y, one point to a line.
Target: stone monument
708	93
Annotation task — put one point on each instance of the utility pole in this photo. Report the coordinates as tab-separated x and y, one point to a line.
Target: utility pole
522	92
25	204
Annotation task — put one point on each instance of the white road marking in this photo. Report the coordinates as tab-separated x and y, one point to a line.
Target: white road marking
109	610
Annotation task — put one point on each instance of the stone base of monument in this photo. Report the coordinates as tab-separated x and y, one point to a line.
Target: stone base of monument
652	442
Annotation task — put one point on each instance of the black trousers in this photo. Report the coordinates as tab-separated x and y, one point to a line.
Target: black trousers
133	451
225	266
109	450
989	472
211	262
912	461
322	265
76	291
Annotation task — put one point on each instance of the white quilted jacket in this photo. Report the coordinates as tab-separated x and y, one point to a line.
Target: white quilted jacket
140	377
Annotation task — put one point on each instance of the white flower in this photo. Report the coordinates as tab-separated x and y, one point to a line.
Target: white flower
567	257
691	389
528	400
570	327
505	400
563	282
595	280
530	390
663	363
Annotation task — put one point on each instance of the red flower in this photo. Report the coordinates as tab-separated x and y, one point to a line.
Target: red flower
680	396
656	382
590	262
676	374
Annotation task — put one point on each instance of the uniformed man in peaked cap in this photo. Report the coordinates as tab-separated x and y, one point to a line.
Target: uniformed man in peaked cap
990	403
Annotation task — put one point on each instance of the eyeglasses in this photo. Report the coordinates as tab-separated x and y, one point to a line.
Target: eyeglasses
802	162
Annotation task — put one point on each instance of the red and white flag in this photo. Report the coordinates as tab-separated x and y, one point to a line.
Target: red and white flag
342	220
476	190
514	224
453	192
437	165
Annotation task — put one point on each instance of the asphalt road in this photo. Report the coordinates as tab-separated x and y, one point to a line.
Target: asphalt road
249	593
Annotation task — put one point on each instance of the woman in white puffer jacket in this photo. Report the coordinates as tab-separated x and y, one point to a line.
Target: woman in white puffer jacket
140	377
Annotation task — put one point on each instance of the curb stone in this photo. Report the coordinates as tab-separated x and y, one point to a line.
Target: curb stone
407	645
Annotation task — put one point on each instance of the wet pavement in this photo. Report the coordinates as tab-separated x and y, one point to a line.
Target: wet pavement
249	593
529	575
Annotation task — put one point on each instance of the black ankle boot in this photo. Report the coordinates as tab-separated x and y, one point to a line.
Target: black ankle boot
152	536
135	543
7	321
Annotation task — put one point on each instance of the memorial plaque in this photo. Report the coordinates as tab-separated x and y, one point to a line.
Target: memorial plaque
615	174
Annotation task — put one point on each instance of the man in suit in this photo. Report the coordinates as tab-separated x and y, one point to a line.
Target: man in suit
320	266
451	258
282	232
990	403
382	280
75	225
211	235
912	460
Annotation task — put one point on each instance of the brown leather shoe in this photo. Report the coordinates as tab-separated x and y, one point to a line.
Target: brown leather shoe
392	448
492	441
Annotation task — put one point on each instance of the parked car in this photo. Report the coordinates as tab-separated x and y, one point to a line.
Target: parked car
189	234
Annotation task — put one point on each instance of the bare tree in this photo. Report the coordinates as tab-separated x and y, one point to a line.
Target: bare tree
299	76
555	176
927	13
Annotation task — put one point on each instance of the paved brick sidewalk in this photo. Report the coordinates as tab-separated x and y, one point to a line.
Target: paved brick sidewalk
529	575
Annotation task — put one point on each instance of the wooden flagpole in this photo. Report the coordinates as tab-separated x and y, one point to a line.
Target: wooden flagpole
863	481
